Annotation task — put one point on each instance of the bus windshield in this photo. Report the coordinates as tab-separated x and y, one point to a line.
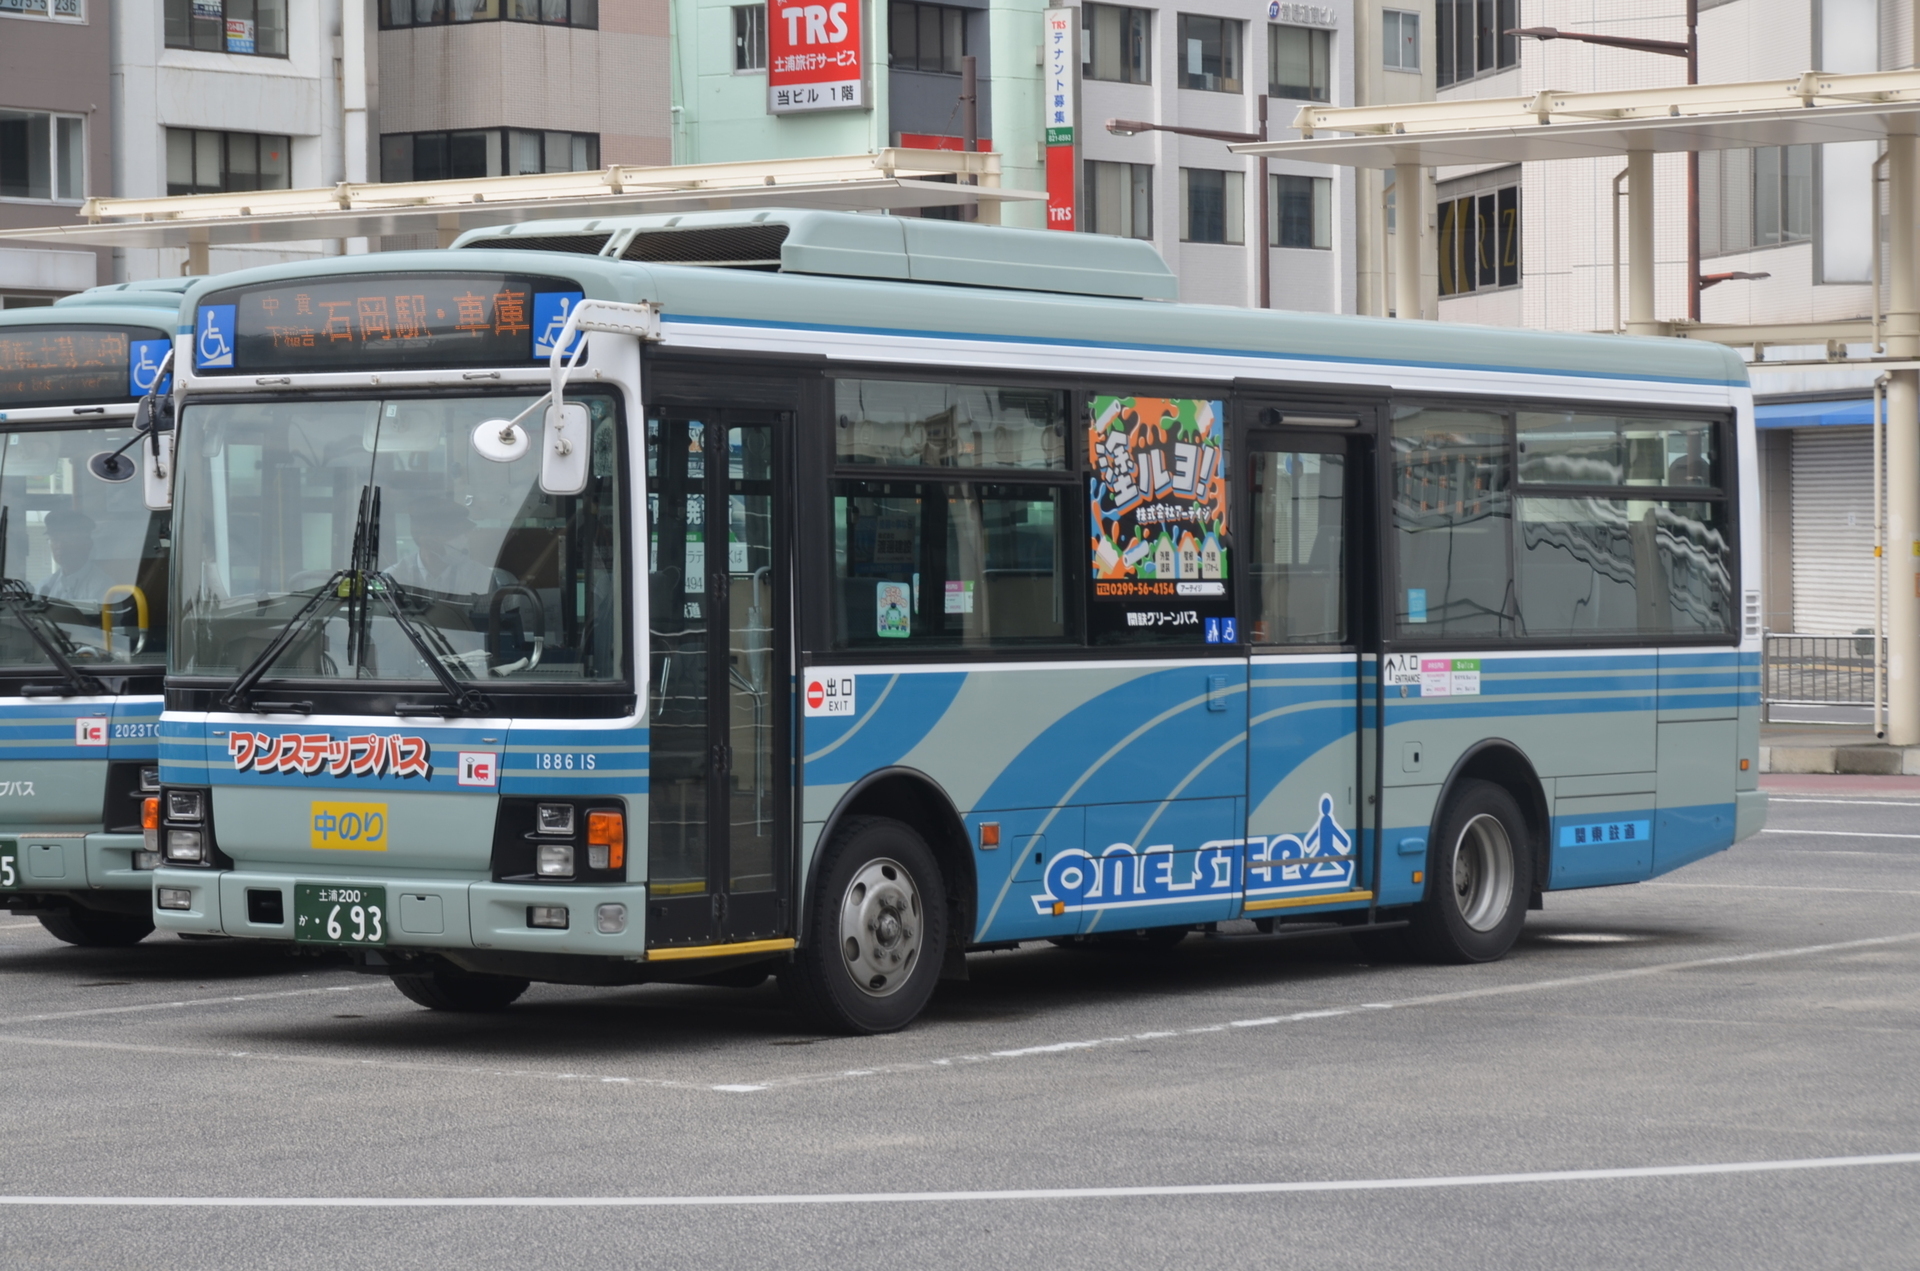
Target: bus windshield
373	534
85	562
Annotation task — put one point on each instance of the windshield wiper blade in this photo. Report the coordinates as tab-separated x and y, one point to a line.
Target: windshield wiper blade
464	699
243	684
22	602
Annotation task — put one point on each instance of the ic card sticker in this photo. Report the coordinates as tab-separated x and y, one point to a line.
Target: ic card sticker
90	731
1436	677
1464	681
479	768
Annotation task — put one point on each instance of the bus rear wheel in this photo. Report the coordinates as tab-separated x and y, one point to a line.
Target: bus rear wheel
91	929
1480	879
875	934
448	988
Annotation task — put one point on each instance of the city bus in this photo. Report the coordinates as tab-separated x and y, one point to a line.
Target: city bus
698	598
83	610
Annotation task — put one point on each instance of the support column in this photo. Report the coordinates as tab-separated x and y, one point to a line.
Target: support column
1410	218
197	253
1903	452
1640	320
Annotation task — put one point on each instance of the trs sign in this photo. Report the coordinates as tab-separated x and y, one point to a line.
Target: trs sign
1060	106
814	56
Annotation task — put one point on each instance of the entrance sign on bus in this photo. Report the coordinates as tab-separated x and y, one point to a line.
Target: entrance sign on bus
816	56
416	321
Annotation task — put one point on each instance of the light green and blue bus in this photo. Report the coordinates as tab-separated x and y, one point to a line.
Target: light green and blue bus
705	597
83	610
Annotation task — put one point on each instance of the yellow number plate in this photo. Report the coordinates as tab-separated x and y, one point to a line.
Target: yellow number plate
349	827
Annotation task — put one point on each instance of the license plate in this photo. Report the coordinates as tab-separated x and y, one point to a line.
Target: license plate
324	913
9	864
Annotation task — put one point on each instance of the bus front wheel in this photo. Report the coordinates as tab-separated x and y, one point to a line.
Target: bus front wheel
92	929
875	934
448	988
1480	879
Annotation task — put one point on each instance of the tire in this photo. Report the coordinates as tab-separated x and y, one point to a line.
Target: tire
875	934
1480	875
91	929
448	988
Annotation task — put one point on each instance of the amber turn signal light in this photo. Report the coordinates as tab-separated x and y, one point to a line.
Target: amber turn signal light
609	830
150	814
989	834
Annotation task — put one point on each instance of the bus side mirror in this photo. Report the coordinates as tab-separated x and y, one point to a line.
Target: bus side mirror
565	449
156	472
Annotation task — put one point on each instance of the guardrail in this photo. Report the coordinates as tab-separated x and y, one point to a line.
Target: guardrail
1819	671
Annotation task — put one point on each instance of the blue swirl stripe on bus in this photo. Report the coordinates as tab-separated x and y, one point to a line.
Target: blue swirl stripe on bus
896	713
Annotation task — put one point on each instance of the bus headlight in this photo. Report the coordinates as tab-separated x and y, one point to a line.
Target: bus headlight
554	860
186	847
186	805
553	917
175	898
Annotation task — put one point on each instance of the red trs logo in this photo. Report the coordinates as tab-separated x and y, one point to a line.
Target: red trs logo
309	753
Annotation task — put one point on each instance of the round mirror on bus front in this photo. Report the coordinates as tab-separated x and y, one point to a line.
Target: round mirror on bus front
500	440
111	465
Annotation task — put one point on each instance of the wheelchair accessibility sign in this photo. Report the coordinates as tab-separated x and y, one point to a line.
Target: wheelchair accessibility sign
213	335
550	310
143	365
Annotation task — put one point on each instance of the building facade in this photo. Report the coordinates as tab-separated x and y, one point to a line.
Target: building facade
56	139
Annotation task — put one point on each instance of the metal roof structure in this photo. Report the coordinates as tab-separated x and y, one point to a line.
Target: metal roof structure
1809	109
889	179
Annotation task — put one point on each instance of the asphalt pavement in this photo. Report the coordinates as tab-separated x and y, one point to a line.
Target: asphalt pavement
1713	1069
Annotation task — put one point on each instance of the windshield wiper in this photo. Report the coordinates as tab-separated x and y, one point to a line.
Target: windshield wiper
236	698
26	606
464	700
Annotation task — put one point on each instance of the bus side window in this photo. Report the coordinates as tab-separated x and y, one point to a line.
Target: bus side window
1452	521
1297	551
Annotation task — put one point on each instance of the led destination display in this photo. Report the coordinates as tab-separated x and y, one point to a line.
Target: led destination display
394	321
58	366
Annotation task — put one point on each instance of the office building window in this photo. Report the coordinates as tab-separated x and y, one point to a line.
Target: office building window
1479	238
926	37
1299	62
1209	53
749	37
1300	211
484	152
200	162
1471	38
1212	206
42	156
1755	198
1116	43
257	27
1119	199
1400	32
57	10
405	13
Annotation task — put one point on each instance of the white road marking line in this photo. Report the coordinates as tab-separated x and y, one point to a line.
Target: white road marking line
195	1001
18	926
964	1197
1865	891
1844	834
951	1061
1852	803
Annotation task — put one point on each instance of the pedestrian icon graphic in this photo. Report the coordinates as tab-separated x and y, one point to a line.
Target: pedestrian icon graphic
213	337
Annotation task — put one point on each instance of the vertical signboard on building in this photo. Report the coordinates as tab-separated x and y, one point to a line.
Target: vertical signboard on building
815	56
1061	97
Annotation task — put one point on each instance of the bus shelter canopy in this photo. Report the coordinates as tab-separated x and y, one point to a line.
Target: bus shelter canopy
1812	109
886	180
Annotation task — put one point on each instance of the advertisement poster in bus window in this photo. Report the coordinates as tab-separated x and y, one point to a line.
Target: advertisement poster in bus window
1161	554
815	56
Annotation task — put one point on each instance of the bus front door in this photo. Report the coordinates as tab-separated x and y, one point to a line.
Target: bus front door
1304	770
717	805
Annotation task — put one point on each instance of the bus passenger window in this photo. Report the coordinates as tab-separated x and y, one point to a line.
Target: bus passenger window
933	564
900	424
1297	561
1452	520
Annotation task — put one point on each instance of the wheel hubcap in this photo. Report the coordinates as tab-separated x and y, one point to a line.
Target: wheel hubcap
881	927
1483	873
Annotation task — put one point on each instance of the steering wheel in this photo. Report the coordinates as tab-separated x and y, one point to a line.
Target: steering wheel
493	627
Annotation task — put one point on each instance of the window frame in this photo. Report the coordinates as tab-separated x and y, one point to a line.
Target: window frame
49	12
1392	635
1321	195
1320	58
1509	240
1482	35
1131	209
502	137
1238	79
945	14
750	44
226	169
56	165
1129	16
587	13
226	37
1229	204
1395	21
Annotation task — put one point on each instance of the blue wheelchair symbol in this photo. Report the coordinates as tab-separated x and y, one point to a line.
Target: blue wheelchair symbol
213	337
143	364
550	310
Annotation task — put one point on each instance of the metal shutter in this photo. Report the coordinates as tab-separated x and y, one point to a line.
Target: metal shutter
1832	530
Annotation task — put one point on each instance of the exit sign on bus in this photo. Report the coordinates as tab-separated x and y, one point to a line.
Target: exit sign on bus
815	56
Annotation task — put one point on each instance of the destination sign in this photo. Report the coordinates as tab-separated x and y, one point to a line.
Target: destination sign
398	321
76	365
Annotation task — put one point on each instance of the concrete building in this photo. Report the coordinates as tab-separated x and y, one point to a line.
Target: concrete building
56	139
1394	62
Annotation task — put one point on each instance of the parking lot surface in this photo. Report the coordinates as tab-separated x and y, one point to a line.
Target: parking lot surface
1713	1069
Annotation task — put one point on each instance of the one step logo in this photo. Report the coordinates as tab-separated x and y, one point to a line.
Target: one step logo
307	754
